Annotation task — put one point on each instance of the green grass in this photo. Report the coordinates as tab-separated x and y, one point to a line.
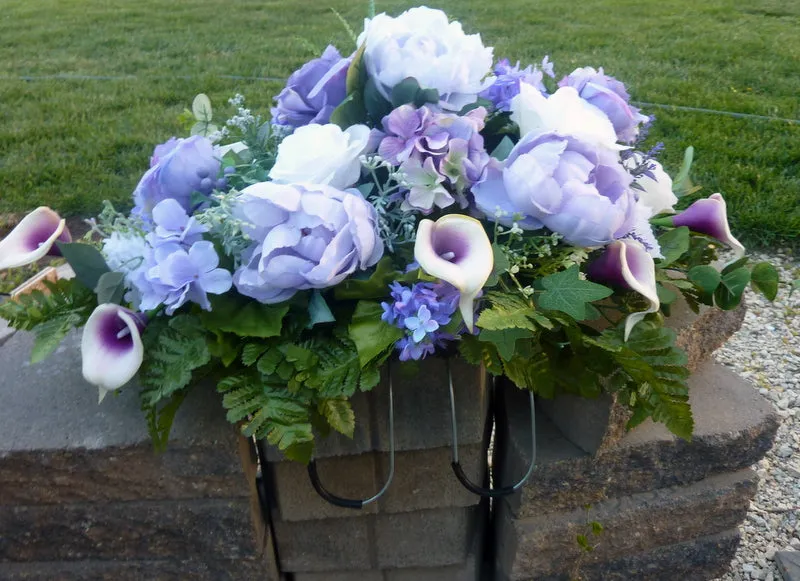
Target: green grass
72	143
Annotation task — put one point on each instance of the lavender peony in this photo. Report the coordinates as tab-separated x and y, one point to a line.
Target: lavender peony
609	95
313	92
309	236
179	167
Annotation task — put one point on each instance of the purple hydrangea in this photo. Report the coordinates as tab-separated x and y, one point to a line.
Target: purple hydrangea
422	311
441	154
304	237
179	167
313	92
610	96
174	226
507	80
578	190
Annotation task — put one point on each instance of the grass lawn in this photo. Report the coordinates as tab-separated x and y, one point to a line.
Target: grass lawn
70	143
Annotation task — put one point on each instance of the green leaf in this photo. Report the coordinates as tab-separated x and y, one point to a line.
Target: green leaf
503	149
566	292
87	262
318	310
50	333
371	335
350	112
376	105
425	96
500	266
682	184
244	317
268	363
356	72
505	340
674	244
706	277
795	286
404	92
736	264
597	528
161	417
665	295
110	288
339	414
531	371
764	278
201	108
251	352
507	311
583	543
729	293
477	352
375	287
65	298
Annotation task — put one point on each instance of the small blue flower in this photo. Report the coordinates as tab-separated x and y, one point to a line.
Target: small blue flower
421	325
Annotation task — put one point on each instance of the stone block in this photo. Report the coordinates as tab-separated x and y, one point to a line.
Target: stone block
734	428
789	565
6	332
209	528
700	334
157	570
324	545
542	546
344	576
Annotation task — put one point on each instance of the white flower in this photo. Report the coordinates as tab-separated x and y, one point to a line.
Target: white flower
563	112
656	193
422	44
125	252
321	154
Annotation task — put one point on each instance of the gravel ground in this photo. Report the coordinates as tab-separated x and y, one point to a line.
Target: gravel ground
767	351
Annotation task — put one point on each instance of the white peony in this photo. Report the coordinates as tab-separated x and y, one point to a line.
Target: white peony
656	193
321	154
422	44
563	112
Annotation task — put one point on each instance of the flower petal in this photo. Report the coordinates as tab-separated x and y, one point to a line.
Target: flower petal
33	238
710	216
111	347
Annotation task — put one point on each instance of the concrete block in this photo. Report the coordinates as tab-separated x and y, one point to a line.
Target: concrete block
702	334
6	332
734	428
344	576
430	538
789	565
541	546
209	529
332	544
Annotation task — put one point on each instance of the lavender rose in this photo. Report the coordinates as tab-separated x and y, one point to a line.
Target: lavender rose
309	236
313	91
609	95
178	168
580	191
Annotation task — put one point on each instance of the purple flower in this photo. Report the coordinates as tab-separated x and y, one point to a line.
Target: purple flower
309	236
507	81
442	154
174	226
409	349
710	217
421	325
576	189
179	168
179	276
609	95
313	92
111	347
33	238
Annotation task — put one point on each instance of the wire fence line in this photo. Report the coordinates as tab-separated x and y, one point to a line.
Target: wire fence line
73	77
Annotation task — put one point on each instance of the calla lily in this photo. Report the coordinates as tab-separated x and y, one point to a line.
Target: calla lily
457	250
111	347
709	216
33	238
627	264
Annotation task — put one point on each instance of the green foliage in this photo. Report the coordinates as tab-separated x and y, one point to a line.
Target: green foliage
408	91
374	287
87	262
682	184
503	149
674	244
244	317
511	310
705	277
110	288
339	414
728	294
51	315
371	336
764	278
505	340
160	418
500	265
318	310
203	114
566	292
174	348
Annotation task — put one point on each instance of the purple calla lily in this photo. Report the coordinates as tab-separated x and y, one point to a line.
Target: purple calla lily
709	216
457	250
33	238
111	347
627	264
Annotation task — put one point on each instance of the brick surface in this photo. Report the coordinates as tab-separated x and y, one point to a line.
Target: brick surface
344	576
325	545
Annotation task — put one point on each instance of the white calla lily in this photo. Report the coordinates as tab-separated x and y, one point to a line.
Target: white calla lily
627	264
111	347
456	250
33	238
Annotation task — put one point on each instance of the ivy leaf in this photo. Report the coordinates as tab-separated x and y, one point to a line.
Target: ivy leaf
339	414
674	244
729	293
110	288
505	340
246	318
764	278
566	292
87	262
371	335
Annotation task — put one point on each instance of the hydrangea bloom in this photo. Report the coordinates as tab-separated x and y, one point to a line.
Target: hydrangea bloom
421	310
422	43
609	95
174	226
507	80
179	167
428	146
309	236
313	92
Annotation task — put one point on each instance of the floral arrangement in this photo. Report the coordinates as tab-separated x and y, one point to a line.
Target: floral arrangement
413	199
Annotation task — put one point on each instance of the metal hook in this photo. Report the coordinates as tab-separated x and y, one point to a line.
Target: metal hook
456	465
358	504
